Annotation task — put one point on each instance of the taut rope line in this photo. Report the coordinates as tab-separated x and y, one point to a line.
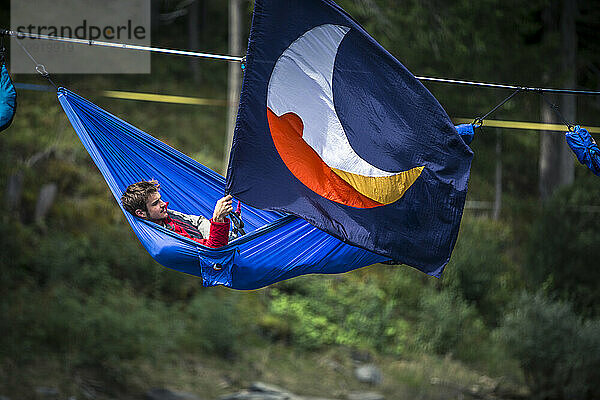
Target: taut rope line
90	42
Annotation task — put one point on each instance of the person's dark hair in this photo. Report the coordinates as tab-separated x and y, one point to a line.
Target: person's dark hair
136	195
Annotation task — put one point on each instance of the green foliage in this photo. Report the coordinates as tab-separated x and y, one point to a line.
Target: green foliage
98	299
211	324
557	351
394	313
438	318
103	327
480	270
18	248
341	311
564	243
100	320
449	325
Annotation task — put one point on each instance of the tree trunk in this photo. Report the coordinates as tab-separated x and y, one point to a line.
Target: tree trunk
14	189
556	166
549	154
204	24
45	201
569	72
235	49
498	179
193	38
155	15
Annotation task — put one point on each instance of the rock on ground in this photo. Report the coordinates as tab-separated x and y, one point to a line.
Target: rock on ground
263	391
369	374
42	392
166	394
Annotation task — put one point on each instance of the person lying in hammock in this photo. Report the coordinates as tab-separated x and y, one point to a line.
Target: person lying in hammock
143	200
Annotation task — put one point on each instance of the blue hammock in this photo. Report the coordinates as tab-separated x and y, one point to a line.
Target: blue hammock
585	148
8	97
276	247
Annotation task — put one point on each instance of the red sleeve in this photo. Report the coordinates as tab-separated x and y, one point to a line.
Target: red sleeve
218	236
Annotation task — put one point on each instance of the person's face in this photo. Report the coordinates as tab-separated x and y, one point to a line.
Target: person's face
156	209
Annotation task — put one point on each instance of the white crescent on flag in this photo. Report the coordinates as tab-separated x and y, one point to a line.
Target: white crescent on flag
301	90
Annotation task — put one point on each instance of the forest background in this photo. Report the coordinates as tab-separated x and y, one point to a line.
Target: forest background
86	310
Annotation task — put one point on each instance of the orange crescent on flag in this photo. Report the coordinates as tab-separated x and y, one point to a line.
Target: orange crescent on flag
307	166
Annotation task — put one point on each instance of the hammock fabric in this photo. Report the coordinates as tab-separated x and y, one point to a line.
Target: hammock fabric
8	98
585	148
466	132
276	247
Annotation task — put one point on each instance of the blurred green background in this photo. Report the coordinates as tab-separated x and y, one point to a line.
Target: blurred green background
85	309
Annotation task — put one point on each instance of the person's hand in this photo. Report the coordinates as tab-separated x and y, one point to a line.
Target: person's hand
222	208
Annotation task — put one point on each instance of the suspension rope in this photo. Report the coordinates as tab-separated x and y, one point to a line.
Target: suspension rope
556	110
241	60
478	122
90	42
504	86
40	68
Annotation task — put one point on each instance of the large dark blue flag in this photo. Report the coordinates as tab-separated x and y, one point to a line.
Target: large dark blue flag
332	128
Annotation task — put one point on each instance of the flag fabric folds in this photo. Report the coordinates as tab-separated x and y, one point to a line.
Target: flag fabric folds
332	128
